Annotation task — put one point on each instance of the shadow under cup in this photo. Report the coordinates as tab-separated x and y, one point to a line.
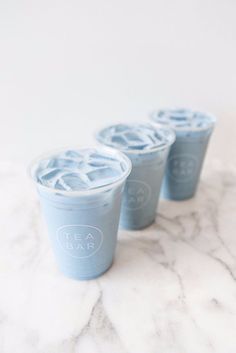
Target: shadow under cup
83	225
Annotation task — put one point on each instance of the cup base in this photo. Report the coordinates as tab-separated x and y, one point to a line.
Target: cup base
85	278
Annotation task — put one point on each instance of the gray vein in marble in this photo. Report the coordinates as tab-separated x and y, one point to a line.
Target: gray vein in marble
98	326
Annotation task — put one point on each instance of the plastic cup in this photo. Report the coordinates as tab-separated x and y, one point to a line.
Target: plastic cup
142	189
83	225
187	154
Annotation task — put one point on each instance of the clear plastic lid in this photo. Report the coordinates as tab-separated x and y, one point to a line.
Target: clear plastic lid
136	138
80	171
182	119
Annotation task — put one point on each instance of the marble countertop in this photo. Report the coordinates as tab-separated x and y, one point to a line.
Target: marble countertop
172	288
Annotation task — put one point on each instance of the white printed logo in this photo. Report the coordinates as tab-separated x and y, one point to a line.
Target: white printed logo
182	167
136	195
80	241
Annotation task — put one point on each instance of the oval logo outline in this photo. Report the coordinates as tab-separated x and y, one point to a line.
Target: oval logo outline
146	187
177	160
90	229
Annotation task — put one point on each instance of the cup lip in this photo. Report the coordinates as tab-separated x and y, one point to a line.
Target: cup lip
75	193
210	124
135	151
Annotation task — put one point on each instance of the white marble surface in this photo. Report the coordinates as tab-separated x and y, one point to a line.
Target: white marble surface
172	288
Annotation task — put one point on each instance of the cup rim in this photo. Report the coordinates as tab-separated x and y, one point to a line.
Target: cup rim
135	151
75	193
210	124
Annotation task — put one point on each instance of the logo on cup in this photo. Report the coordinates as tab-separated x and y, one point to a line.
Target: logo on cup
182	167
137	194
80	241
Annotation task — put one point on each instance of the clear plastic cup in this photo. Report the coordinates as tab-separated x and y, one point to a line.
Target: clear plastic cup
193	131
83	224
142	189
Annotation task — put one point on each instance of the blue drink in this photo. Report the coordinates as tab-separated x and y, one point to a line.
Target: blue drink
184	165
147	148
80	193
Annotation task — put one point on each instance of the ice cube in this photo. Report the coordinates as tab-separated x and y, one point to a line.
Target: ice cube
63	163
160	138
133	137
59	185
48	177
121	128
102	173
119	140
72	181
141	141
97	164
72	154
179	114
97	157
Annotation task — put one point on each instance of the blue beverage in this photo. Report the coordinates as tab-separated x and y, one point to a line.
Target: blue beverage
147	148
80	193
193	130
